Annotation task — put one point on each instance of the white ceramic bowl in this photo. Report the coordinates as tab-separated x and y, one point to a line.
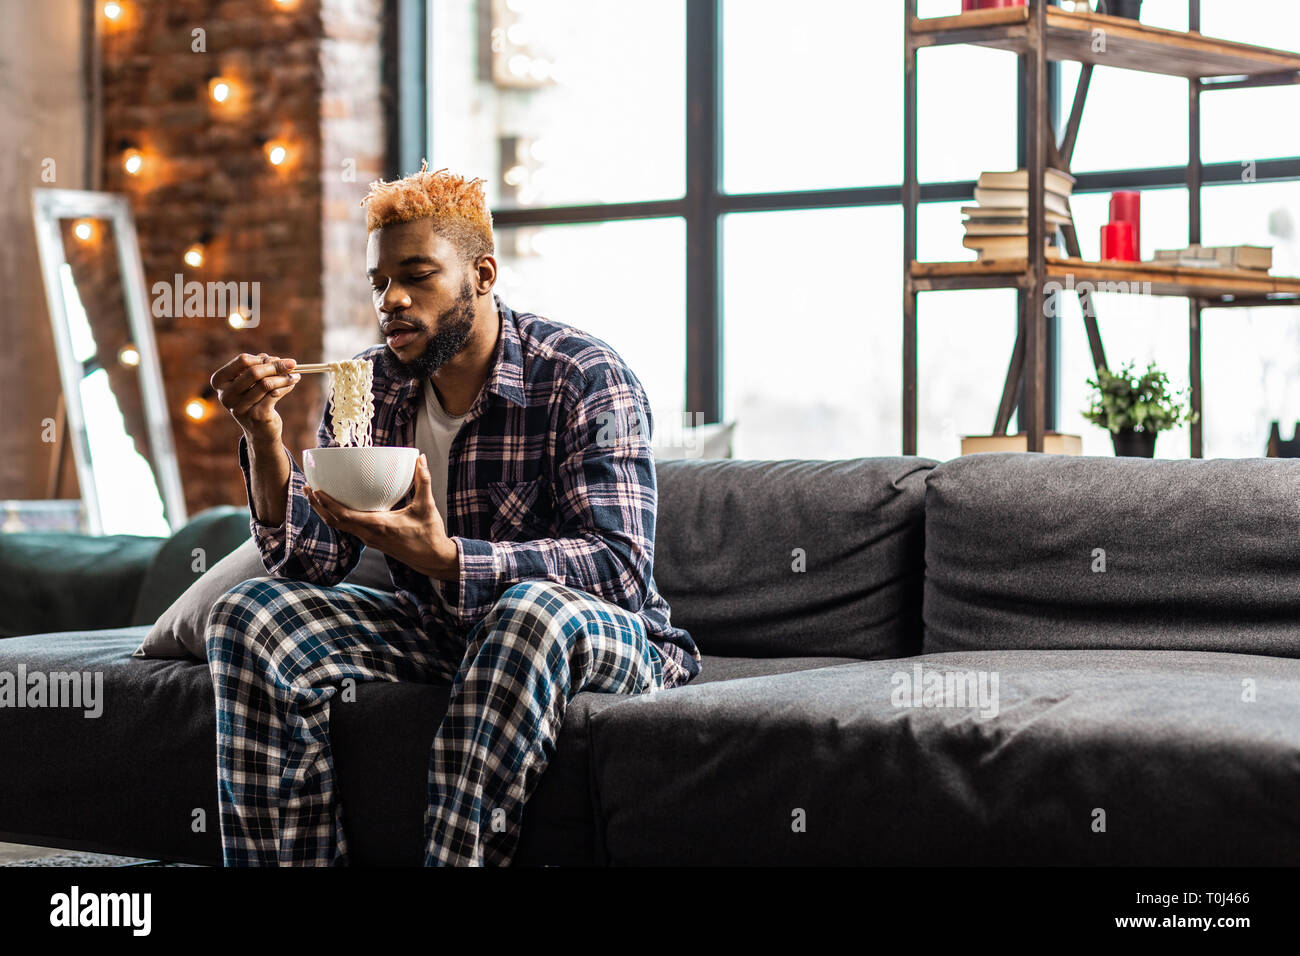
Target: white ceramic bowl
367	478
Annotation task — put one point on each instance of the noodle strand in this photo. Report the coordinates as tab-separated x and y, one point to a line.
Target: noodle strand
352	403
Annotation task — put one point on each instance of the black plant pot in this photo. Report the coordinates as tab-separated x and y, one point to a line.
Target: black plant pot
1120	8
1131	444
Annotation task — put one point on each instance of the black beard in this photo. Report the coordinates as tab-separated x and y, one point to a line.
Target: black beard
453	331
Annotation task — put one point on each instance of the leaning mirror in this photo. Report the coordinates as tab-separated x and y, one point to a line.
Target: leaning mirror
115	413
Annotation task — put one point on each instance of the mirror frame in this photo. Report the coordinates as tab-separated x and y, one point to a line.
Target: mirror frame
49	206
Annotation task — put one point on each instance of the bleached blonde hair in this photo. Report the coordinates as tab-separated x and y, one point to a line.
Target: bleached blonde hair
456	203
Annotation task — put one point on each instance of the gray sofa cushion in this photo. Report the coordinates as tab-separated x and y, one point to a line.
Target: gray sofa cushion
1186	770
51	581
130	780
725	555
1199	555
179	631
214	533
372	743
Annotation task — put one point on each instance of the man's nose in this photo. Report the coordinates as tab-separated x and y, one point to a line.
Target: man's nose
395	300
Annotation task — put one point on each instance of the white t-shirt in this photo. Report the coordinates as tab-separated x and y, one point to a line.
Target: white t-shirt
434	431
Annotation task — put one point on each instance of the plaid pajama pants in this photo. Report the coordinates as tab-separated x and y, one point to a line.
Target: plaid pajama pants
279	648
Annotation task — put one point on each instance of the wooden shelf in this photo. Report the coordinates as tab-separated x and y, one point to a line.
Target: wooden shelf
1217	284
1130	45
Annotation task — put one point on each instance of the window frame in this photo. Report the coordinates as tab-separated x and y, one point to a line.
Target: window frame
408	75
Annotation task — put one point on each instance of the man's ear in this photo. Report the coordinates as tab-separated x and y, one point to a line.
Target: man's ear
485	274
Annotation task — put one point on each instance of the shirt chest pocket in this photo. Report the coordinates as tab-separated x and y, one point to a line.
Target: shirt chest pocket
518	508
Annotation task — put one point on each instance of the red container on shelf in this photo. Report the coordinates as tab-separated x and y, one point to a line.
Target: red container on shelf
1127	207
967	5
1119	241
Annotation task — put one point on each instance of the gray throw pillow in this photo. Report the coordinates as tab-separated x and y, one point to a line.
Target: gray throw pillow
179	631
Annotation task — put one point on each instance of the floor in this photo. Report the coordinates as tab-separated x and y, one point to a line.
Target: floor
12	854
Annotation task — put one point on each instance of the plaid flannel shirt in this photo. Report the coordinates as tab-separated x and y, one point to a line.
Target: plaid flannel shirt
551	476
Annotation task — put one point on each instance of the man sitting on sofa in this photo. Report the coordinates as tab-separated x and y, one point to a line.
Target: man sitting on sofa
521	557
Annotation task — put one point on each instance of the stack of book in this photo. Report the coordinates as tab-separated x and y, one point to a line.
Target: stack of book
997	227
1258	258
1054	443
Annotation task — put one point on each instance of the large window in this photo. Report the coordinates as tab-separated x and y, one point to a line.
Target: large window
712	186
623	282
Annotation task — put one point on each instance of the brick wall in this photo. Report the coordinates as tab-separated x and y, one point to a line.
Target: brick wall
352	157
305	74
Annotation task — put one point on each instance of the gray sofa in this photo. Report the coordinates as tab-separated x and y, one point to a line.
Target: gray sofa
1004	658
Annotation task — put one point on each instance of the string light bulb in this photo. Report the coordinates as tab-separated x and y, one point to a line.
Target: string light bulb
112	10
197	409
83	230
276	153
129	356
197	252
132	161
219	89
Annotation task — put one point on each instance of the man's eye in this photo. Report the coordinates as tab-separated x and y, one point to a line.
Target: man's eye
422	276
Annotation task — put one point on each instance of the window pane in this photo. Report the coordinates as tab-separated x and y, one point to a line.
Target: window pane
966	112
1261	214
1262	22
1129	118
561	102
940	230
1172	14
1251	357
1239	125
816	376
623	282
1137	328
813	100
813	362
964	340
834	98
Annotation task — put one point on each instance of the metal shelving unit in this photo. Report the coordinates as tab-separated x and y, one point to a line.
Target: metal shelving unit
1040	33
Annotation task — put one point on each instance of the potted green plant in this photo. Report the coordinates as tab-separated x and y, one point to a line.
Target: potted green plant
1136	408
